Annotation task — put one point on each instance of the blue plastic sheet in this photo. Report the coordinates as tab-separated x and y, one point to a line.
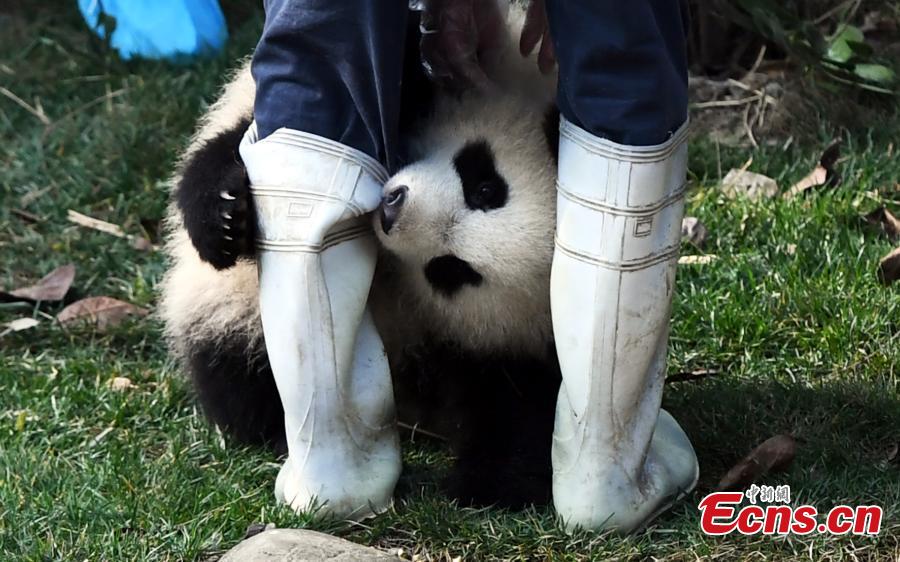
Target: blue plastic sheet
158	29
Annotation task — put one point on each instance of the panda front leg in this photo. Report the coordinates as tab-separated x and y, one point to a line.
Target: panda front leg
316	257
618	459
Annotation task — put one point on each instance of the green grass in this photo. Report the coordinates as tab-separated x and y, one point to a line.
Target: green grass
804	342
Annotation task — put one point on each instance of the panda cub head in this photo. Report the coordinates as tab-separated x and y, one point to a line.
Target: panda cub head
468	225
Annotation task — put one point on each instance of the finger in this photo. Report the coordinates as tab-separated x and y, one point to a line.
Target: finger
547	55
491	25
434	64
535	25
459	52
471	73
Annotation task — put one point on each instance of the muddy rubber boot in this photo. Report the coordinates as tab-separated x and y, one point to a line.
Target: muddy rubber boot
618	460
316	257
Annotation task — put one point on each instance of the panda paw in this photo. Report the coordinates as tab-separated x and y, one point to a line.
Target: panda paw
214	198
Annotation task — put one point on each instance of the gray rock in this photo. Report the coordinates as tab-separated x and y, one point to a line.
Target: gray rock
298	545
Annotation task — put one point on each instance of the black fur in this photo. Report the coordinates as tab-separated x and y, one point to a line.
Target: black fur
551	131
448	274
236	389
222	228
217	166
497	414
483	188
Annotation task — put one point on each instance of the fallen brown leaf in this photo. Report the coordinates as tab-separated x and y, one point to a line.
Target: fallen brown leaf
693	231
697	260
738	183
888	222
102	312
52	287
120	384
889	267
817	177
18	325
773	455
824	174
137	242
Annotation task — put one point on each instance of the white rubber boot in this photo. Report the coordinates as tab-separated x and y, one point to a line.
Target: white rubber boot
618	460
316	256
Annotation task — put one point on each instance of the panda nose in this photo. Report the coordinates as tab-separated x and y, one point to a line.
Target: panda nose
390	207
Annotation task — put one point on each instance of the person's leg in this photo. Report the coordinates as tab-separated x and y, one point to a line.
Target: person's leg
333	69
327	111
618	459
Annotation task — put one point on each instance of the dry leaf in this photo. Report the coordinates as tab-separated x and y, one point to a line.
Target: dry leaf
18	325
120	384
825	172
52	287
693	231
888	222
697	260
738	183
773	455
137	242
889	267
102	312
815	178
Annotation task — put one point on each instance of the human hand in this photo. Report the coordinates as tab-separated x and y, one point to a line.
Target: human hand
536	30
459	37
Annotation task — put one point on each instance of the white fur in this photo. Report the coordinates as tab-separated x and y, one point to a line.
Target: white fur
510	247
199	303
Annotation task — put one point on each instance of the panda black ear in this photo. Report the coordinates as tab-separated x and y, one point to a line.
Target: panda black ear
551	131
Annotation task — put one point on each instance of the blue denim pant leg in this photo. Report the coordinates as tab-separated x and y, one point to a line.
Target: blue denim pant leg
622	66
333	68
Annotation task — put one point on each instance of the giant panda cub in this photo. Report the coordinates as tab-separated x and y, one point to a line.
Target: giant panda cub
461	293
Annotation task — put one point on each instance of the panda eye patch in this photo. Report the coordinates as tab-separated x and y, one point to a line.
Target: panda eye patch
483	187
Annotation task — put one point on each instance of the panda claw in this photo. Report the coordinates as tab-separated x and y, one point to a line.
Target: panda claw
214	198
